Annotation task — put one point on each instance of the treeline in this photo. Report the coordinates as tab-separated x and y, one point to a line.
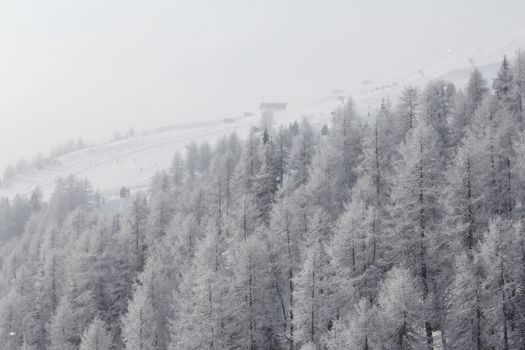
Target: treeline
15	213
405	233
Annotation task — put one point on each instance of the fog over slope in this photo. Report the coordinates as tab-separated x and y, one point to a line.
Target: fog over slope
132	162
86	69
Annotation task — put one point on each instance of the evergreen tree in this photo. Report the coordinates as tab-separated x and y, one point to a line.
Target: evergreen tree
416	209
313	316
250	303
437	105
145	326
466	105
95	337
11	320
177	169
499	258
503	83
63	329
301	155
359	331
249	164
475	92
408	108
400	311
519	81
467	320
192	161
266	180
198	320
137	226
466	183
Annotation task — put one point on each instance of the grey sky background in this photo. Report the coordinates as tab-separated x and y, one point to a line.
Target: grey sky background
88	68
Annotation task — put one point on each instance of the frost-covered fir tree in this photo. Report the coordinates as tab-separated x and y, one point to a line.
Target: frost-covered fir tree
466	326
314	313
198	318
63	329
95	337
334	167
145	326
401	311
436	109
301	154
466	104
416	210
137	227
408	109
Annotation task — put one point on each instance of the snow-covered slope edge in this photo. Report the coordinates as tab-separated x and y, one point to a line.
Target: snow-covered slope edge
132	162
451	66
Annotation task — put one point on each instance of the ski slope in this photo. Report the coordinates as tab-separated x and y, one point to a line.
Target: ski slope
451	66
129	162
132	162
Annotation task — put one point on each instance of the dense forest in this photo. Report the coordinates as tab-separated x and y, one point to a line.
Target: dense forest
403	230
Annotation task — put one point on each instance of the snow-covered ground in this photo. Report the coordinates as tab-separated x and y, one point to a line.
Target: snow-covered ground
451	66
131	162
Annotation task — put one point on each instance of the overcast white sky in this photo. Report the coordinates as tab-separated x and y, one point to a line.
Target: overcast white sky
88	68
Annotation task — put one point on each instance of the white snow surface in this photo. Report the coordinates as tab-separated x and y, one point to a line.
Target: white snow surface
132	162
451	66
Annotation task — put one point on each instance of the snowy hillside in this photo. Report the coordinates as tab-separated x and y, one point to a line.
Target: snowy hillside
452	66
132	162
